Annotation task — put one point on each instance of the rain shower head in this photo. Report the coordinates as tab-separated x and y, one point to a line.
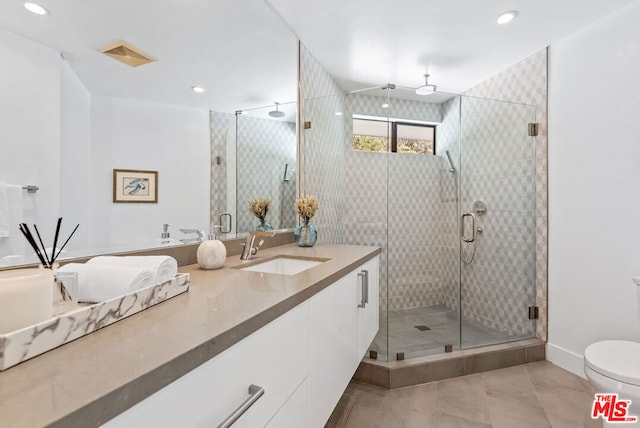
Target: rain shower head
276	112
426	89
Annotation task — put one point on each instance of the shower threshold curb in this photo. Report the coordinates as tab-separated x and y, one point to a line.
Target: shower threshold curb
415	371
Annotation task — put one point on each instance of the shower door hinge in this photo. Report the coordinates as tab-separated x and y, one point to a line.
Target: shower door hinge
533	312
533	130
307	125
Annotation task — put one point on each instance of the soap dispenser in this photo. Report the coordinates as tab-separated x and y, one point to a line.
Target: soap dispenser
211	253
165	237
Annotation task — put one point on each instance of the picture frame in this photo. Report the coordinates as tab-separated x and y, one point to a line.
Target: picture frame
135	186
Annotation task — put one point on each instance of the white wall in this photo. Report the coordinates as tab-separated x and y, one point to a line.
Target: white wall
141	135
75	160
594	186
30	130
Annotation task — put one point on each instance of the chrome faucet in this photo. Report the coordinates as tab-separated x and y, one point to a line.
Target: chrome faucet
200	238
249	249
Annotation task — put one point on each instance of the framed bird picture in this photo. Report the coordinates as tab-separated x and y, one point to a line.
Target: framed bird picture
135	186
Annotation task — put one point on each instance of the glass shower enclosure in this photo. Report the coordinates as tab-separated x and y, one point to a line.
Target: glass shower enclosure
453	213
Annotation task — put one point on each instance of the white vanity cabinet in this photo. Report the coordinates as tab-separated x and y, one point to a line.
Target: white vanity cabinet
303	360
274	358
342	325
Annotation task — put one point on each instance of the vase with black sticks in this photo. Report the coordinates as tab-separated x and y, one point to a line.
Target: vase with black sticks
41	251
35	292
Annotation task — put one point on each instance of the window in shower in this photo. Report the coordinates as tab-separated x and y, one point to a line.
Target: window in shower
381	135
413	138
371	135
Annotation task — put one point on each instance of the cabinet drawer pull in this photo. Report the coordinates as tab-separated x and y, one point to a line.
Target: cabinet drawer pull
364	288
255	392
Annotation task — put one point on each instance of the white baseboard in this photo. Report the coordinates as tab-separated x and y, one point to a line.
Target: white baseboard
565	359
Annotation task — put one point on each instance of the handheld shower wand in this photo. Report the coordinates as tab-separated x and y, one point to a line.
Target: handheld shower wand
453	168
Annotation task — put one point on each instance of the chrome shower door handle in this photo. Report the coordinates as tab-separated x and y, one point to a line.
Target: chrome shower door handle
222	223
255	392
473	227
364	288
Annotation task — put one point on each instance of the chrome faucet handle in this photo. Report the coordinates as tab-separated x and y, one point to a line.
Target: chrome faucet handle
249	249
254	250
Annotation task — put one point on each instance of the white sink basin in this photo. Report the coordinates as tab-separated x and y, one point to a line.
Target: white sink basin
283	265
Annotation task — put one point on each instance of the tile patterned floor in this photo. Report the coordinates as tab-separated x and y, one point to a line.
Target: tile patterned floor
534	395
443	329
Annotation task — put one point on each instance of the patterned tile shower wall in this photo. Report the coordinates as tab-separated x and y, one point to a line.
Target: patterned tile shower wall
526	82
416	220
264	148
322	156
222	128
449	244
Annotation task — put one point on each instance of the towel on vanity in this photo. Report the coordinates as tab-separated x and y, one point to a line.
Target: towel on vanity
11	210
100	283
164	268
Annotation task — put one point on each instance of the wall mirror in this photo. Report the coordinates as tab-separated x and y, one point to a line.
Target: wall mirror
71	114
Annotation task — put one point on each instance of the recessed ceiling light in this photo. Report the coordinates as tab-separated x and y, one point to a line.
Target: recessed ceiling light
197	89
507	17
35	8
385	105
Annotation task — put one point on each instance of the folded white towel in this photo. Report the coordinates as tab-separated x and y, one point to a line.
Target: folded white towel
11	209
101	283
164	267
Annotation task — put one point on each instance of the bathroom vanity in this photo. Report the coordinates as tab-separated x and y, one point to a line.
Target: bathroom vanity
193	360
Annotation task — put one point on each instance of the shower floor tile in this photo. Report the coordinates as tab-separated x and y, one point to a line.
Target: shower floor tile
443	329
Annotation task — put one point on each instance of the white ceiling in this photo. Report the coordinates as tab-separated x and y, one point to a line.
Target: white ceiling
364	43
237	49
245	56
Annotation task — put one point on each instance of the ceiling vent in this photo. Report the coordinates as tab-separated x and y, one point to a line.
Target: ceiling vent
126	53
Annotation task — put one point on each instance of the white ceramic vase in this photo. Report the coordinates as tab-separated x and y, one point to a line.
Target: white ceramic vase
211	254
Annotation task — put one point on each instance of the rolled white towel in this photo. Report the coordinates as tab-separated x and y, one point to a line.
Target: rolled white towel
164	267
101	283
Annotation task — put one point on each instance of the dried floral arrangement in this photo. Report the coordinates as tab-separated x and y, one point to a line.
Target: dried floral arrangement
307	207
259	207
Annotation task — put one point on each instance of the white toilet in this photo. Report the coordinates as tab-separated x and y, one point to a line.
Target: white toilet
613	366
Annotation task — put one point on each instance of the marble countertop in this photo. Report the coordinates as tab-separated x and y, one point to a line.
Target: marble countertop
92	379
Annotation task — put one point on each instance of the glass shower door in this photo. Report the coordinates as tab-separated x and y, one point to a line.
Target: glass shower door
423	261
497	215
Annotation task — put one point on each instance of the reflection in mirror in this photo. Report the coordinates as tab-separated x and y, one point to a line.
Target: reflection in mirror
71	115
266	164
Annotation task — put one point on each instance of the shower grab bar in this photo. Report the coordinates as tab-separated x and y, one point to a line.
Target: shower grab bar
255	392
363	276
473	228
